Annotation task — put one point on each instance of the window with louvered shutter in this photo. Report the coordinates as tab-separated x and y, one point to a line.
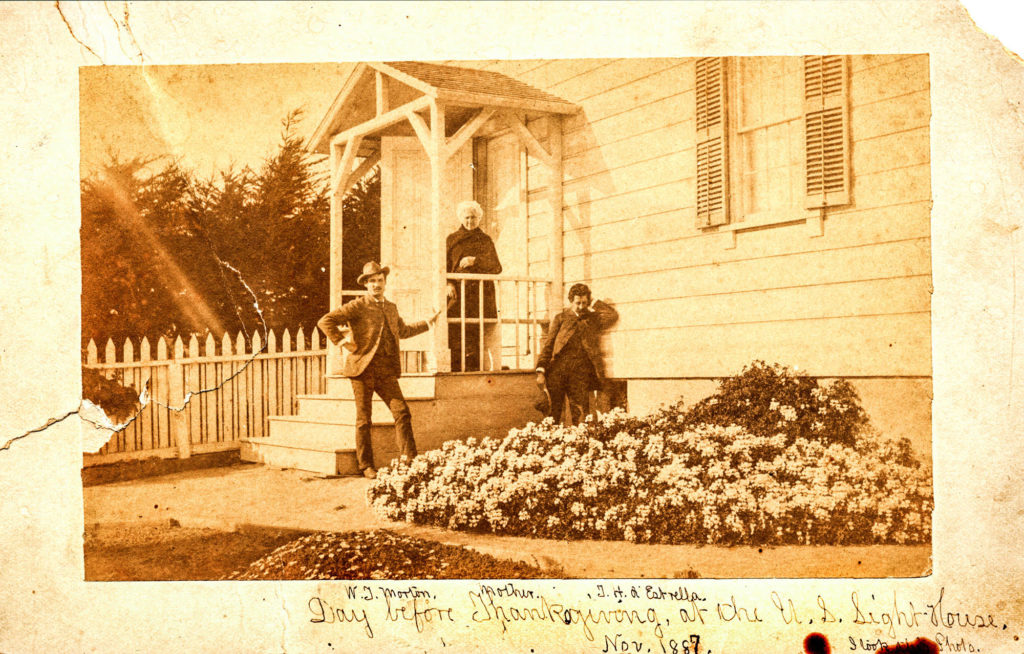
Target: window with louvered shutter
826	130
766	139
712	206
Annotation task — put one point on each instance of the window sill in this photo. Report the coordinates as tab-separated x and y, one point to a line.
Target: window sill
812	218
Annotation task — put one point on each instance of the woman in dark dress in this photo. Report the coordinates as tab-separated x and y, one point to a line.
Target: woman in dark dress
471	251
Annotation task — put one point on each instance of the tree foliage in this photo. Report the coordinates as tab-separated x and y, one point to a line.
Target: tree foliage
165	253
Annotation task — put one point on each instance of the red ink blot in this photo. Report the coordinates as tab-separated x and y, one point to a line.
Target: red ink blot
919	646
816	644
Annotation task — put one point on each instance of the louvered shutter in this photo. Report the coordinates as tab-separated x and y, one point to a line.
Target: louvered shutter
826	130
712	155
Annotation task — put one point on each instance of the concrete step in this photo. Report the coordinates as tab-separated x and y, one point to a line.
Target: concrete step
327	408
412	386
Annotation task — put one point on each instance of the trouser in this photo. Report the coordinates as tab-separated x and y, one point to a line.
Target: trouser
385	384
571	378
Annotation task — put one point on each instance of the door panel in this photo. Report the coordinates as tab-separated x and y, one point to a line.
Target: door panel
405	223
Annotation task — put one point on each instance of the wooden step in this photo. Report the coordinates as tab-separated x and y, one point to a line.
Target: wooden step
302	429
327	448
322	458
412	386
327	408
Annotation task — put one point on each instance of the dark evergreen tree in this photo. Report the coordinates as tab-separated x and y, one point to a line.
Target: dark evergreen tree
167	254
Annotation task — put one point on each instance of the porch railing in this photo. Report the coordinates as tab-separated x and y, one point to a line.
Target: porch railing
510	337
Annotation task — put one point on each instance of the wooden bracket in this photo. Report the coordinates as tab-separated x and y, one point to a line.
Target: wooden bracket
420	127
527	138
383	101
467	131
363	168
343	177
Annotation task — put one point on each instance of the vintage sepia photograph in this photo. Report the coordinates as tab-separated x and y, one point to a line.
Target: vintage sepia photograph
503	319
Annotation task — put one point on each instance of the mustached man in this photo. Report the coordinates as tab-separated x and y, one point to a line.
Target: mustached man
570	362
371	329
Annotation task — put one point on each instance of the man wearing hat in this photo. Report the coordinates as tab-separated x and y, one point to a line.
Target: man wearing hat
372	331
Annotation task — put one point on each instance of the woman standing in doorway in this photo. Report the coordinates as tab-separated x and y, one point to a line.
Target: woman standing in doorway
470	250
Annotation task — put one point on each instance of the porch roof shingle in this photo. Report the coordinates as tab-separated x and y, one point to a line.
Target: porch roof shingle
463	87
472	80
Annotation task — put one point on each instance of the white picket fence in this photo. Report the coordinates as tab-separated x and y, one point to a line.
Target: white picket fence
232	389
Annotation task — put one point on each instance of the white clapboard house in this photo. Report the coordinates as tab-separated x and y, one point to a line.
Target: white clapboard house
731	209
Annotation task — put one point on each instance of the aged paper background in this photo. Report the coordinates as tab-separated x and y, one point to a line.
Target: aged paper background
978	187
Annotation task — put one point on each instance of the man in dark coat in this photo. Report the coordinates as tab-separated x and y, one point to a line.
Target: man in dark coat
570	359
470	250
372	329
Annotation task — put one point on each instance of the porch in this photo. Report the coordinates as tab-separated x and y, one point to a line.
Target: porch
440	135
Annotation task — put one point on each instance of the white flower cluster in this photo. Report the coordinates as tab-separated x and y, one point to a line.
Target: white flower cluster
653	480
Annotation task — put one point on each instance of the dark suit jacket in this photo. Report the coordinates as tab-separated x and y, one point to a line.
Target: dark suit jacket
590	324
364	320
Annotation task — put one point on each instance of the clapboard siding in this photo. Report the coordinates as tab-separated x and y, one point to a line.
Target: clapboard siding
663	168
613	164
897	295
852	301
578	83
868	262
515	68
891	115
667	111
896	186
891	151
589	211
632	93
892	224
867	346
621	222
890	80
860	63
558	71
538	249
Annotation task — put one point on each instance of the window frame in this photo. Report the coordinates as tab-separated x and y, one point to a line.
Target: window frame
807	207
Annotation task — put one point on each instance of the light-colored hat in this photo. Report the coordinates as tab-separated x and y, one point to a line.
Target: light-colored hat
371	268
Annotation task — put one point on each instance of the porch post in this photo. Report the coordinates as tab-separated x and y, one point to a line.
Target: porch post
555	182
334	362
441	354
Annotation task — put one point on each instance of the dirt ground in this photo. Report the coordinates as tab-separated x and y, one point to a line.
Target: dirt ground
167	553
290	501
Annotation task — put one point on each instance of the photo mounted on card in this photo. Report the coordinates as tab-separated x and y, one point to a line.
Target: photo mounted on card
507	319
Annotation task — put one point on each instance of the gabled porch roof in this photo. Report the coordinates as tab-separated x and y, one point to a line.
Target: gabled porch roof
377	97
443	107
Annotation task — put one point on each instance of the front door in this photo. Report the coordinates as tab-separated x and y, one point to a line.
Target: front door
405	242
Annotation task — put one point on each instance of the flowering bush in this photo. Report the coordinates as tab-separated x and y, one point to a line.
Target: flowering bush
767	398
668	478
